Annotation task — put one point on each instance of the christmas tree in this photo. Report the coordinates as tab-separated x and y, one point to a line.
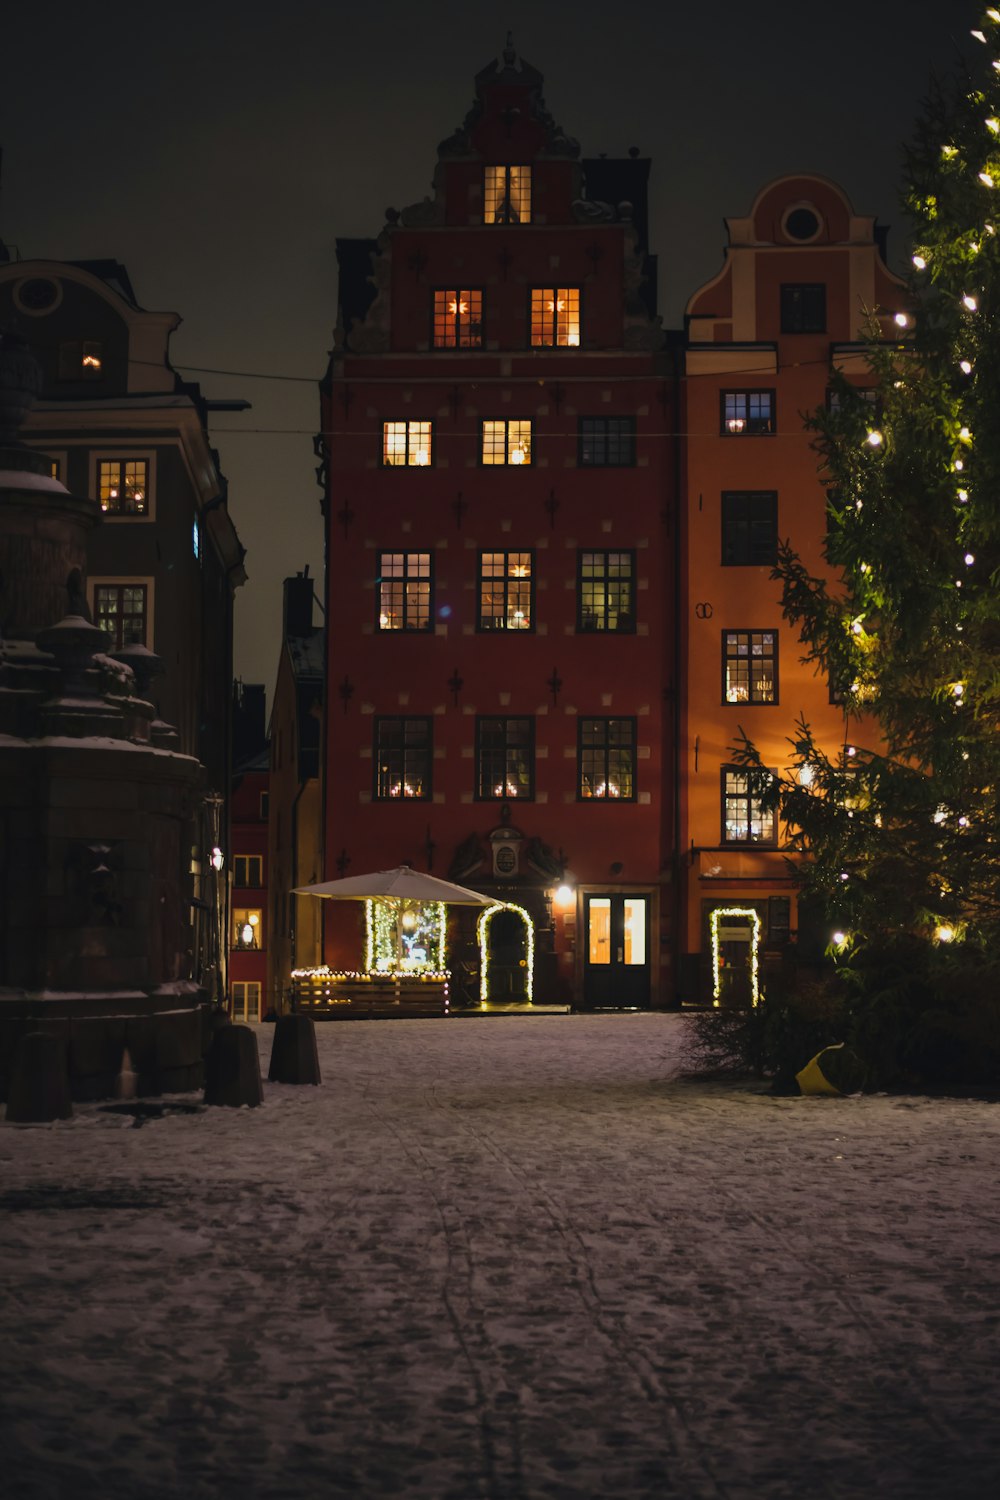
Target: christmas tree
895	832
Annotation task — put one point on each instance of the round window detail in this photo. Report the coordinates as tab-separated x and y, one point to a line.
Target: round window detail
38	295
802	224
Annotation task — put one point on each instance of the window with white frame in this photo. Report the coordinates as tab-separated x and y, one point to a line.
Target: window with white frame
750	666
246	1000
248	870
744	820
121	609
123	485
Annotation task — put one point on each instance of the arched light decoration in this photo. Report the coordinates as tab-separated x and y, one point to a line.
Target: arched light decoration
713	922
482	932
381	950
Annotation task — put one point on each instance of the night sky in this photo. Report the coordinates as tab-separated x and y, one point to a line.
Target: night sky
218	149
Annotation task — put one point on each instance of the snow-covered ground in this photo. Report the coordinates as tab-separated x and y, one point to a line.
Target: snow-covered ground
504	1257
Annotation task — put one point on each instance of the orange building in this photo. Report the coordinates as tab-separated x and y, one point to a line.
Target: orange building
500	704
802	275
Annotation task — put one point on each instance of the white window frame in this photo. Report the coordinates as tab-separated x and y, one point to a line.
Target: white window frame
129	580
124	454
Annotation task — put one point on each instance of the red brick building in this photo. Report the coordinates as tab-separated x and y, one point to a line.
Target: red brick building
497	437
803	274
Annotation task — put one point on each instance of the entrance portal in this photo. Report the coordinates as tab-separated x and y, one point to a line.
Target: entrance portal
616	953
506	947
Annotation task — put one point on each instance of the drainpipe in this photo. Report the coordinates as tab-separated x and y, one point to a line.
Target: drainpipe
680	539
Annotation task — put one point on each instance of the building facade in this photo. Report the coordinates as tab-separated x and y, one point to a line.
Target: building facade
122	428
498	445
803	277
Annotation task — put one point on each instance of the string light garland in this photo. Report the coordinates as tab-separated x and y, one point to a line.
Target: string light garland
717	916
483	927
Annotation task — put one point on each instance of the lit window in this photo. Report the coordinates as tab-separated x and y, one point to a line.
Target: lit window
606	591
81	361
507	442
404	591
248	931
248	870
120	609
750	666
744	821
555	316
505	759
196	539
747	413
507	195
407	444
505	590
803	307
606	442
246	1001
749	528
606	760
123	486
458	318
402	759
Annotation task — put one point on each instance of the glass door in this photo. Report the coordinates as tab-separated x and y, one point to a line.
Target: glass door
616	956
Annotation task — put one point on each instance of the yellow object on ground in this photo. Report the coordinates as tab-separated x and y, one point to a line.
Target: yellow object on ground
812	1079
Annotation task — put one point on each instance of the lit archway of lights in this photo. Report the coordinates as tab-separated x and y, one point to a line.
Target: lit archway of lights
720	913
483	929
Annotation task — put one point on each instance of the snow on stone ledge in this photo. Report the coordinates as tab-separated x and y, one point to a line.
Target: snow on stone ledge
21	479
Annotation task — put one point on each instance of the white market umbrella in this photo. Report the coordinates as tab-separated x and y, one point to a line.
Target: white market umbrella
398	885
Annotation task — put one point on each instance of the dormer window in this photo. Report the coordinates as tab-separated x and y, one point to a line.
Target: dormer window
81	361
507	195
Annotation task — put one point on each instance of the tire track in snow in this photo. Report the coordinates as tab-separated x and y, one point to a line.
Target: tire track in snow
483	1361
687	1450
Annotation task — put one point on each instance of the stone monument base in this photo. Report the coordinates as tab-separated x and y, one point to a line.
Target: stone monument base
166	1033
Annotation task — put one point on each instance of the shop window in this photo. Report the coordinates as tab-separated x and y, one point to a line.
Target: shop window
749	666
605	594
744	820
555	317
407	444
507	195
505	759
749	528
507	441
403	759
458	318
404	591
505	590
606	759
